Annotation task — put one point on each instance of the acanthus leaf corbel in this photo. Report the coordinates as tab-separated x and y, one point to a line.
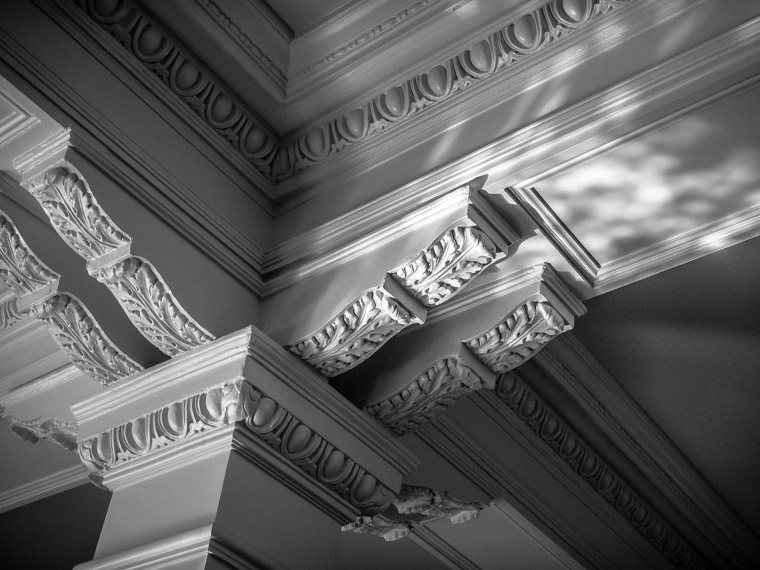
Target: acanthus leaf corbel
86	228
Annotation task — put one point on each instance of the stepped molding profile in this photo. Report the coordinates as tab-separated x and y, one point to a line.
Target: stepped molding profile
221	110
430	278
84	226
70	323
593	470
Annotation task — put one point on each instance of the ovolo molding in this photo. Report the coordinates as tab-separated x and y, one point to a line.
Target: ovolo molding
430	278
71	324
595	471
515	339
84	226
215	105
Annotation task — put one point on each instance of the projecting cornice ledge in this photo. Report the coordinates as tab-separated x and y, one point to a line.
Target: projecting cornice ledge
243	392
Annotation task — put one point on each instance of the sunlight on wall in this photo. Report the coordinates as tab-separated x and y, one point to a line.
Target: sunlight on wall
683	176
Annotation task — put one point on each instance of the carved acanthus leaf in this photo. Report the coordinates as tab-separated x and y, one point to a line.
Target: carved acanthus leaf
357	332
75	214
20	269
53	430
307	449
387	529
151	307
179	421
518	337
427	396
428	503
79	335
553	431
9	314
442	269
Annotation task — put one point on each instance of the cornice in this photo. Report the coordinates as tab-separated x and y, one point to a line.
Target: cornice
616	415
595	471
39	385
42	487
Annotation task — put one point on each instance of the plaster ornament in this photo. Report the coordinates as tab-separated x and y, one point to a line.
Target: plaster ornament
357	332
9	314
574	451
78	334
20	270
446	266
53	430
75	213
217	406
428	503
307	449
387	529
151	306
427	396
518	337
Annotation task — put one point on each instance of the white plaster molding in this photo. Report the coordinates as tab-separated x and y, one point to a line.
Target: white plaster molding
71	324
142	293
42	487
20	270
254	52
355	333
556	231
429	395
525	330
39	385
52	430
187	549
9	314
16	122
624	423
79	335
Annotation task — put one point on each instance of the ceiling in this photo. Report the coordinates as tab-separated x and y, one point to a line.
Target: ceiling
657	199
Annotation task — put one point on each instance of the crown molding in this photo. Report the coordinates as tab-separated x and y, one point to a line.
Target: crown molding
496	479
43	487
186	549
615	414
39	385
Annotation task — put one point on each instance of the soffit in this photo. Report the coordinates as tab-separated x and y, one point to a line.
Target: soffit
684	344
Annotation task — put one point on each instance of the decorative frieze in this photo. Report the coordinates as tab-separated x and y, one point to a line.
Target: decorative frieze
307	449
187	79
53	430
446	266
75	213
427	396
553	431
220	109
356	333
20	269
518	337
217	406
85	343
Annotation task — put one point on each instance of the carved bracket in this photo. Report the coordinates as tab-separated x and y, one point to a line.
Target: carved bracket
430	278
145	297
74	328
